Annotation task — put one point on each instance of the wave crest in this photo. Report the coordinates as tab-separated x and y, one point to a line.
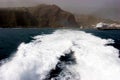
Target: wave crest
94	59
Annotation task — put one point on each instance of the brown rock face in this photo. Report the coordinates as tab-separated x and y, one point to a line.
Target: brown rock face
53	16
16	18
89	21
38	16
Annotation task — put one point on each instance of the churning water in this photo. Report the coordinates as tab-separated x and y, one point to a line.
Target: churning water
64	55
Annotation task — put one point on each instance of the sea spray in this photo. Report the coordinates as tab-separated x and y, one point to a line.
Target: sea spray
94	59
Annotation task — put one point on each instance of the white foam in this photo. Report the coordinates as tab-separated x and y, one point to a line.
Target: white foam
95	60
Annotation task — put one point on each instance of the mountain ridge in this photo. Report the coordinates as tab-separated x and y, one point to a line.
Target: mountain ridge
90	21
38	16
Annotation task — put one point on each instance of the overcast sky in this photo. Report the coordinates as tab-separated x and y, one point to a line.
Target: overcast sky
74	6
74	3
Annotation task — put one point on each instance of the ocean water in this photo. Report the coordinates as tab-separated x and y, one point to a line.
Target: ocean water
10	39
59	54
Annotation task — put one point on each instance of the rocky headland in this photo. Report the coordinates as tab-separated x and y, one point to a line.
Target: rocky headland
90	21
36	17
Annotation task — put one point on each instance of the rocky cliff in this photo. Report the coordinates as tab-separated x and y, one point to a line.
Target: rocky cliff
52	15
38	16
16	18
89	21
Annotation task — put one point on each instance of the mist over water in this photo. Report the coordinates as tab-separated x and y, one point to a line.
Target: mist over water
75	55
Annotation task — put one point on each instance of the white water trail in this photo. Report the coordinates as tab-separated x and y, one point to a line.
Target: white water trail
94	59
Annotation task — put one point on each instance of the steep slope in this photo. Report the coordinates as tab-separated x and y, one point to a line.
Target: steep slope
53	16
89	21
16	18
38	16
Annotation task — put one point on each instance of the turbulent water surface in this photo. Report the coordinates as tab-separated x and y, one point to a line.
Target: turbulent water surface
64	55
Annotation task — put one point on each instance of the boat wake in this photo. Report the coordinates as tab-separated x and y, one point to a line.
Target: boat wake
63	55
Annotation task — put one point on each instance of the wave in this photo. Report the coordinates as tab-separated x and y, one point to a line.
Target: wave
63	55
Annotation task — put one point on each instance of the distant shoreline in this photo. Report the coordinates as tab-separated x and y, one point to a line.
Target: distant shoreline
66	28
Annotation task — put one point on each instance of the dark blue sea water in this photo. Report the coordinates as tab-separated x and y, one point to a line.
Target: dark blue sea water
11	38
61	54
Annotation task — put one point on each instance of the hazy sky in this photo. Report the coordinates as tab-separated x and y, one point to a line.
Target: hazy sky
63	3
75	6
74	3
